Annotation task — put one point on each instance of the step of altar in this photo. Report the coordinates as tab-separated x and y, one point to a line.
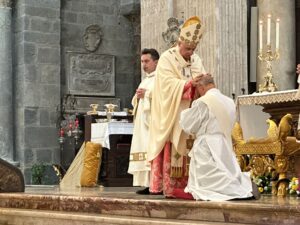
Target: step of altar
46	217
123	203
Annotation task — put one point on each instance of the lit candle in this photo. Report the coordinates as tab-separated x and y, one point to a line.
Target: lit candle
277	34
61	134
76	123
269	30
260	35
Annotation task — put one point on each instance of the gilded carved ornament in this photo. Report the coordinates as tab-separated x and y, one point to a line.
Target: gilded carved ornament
272	154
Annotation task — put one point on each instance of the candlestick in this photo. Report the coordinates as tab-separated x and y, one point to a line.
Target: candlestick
269	30
61	133
76	123
277	34
260	35
268	55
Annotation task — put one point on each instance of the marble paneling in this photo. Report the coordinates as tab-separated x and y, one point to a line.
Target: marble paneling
29	217
124	202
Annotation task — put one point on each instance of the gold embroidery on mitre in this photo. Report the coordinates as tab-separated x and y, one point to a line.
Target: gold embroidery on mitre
190	32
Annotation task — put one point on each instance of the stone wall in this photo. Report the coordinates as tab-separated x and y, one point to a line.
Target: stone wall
117	33
223	47
44	31
36	81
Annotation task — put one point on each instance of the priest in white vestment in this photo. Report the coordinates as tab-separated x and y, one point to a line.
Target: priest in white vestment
138	166
214	173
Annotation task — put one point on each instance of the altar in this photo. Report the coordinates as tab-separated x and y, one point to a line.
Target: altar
100	132
115	137
264	140
253	110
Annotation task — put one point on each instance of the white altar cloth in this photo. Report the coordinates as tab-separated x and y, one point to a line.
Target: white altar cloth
100	131
250	115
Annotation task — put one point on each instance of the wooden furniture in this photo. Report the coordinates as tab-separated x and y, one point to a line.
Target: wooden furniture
114	166
89	119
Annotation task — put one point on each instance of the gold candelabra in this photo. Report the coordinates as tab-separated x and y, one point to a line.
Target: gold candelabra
268	56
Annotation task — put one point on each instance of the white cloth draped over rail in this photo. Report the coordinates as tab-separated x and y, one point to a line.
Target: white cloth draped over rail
100	131
214	171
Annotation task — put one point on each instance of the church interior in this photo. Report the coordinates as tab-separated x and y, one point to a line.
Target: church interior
68	72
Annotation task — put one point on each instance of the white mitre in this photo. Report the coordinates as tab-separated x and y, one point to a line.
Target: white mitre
191	31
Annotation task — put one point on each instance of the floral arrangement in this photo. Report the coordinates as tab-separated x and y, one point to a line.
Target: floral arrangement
264	184
294	186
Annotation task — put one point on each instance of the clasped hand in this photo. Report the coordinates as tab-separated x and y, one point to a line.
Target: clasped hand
140	92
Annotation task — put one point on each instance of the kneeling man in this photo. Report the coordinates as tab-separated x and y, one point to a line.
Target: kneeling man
214	173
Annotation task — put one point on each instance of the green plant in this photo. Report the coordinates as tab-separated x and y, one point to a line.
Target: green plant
37	173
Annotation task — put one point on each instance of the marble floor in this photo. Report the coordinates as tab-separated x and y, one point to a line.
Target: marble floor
124	202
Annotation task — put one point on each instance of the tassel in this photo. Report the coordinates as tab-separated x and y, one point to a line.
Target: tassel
176	172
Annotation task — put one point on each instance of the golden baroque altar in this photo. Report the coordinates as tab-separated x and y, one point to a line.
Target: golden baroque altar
264	138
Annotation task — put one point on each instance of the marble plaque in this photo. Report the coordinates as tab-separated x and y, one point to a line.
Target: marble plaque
90	74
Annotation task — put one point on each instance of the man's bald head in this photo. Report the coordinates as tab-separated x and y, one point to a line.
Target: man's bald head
205	82
206	79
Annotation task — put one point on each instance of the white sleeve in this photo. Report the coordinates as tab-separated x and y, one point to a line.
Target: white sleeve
192	118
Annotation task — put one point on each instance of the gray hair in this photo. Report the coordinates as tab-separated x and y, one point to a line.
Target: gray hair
206	79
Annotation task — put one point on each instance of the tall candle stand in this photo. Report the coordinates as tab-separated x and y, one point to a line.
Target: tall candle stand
267	57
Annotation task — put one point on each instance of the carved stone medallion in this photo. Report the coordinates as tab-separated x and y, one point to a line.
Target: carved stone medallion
172	33
92	37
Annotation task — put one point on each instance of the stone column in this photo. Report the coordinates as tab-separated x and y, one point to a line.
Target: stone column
6	91
283	69
223	47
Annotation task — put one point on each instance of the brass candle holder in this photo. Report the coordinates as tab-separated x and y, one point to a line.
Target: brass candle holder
110	108
267	57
